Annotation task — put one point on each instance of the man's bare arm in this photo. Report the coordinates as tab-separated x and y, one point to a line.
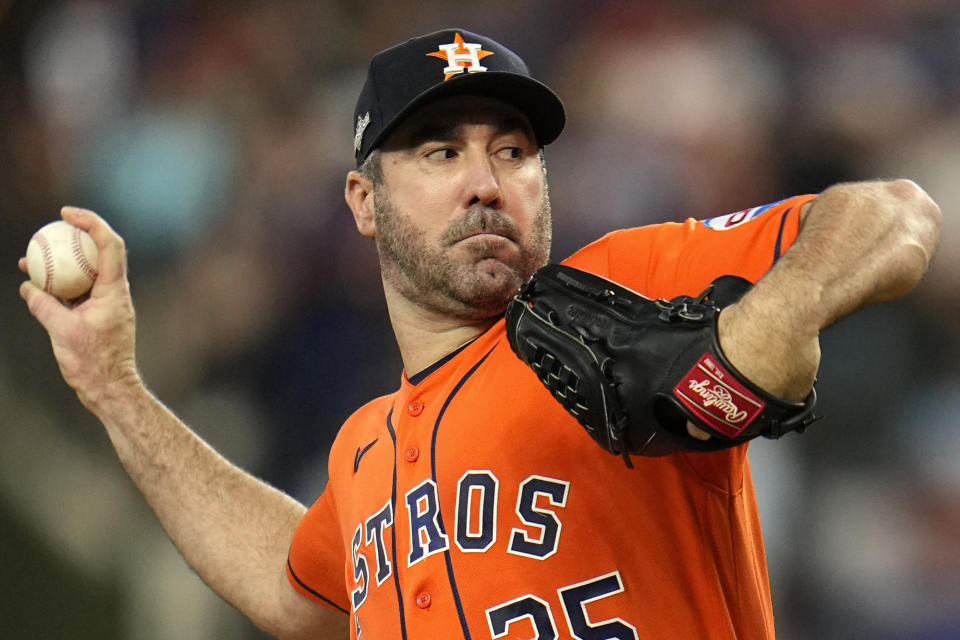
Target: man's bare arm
859	244
233	529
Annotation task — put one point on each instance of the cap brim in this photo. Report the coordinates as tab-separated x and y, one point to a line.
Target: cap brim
534	99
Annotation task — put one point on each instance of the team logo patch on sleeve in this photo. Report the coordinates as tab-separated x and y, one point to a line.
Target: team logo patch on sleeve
731	220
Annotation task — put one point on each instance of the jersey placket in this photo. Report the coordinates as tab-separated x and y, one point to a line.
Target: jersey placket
421	537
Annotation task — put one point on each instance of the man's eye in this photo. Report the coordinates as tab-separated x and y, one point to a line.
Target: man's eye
510	153
442	154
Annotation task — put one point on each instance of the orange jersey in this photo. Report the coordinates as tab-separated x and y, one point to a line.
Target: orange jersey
470	504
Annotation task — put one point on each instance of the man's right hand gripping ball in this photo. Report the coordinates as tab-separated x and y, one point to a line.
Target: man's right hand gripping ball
93	337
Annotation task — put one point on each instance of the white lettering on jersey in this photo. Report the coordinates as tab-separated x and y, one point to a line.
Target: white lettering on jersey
360	572
545	521
475	525
477	492
426	533
375	526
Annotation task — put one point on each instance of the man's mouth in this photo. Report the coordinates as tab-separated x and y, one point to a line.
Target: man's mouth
484	225
485	233
488	238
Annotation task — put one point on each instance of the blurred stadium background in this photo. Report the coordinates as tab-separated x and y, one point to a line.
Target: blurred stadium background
215	137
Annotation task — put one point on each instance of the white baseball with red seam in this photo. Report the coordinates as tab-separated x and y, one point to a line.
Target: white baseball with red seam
62	260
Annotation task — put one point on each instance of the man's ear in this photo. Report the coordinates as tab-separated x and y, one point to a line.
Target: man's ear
358	193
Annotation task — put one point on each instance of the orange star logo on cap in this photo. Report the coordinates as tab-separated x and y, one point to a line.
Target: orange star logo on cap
461	56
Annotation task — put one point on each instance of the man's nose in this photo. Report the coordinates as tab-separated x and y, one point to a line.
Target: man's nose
482	182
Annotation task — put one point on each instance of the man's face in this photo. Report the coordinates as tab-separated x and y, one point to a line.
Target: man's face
462	214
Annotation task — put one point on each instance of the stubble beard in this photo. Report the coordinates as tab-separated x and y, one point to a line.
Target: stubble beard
427	275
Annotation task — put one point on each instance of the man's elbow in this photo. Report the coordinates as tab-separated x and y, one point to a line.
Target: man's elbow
922	216
920	224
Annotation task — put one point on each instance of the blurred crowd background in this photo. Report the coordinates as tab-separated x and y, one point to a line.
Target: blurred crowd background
215	137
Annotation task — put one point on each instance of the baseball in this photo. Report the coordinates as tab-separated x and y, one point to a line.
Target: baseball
62	260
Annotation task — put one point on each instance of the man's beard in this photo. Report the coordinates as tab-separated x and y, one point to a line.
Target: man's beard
427	275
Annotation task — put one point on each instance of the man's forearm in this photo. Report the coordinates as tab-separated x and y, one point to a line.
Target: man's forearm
232	529
859	244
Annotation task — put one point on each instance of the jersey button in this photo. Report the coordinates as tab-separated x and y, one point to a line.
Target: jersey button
423	600
412	454
415	408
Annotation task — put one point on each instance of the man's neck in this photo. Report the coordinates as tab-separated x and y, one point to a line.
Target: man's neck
425	337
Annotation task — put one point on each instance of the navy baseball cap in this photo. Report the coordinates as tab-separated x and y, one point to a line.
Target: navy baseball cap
408	76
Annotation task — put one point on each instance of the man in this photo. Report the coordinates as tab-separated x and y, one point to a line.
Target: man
469	503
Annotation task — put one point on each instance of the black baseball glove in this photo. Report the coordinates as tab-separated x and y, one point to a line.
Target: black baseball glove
633	370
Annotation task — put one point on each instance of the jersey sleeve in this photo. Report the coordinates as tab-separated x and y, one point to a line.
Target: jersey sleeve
671	259
315	564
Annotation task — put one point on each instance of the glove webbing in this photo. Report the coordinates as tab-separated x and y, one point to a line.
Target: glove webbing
562	382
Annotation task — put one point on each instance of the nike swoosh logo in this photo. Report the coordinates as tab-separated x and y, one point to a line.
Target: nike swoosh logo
360	452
